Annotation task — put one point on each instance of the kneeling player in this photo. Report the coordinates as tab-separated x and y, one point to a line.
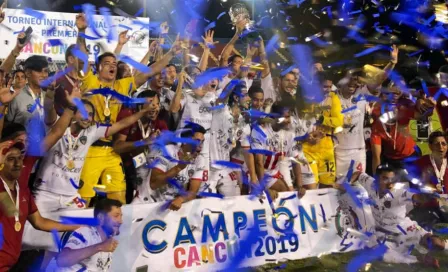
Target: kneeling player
278	140
185	169
392	225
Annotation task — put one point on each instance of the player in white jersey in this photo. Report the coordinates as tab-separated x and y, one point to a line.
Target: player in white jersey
277	139
58	179
227	123
350	143
179	165
389	199
90	248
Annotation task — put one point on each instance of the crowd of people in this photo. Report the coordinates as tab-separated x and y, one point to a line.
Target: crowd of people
78	142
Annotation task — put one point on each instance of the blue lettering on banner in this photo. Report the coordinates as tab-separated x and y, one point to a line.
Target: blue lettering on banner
214	231
150	247
288	226
260	221
304	215
184	238
240	222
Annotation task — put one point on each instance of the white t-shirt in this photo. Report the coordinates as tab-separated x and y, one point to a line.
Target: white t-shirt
390	210
82	238
267	84
195	171
280	142
242	134
223	83
352	136
53	175
221	136
197	110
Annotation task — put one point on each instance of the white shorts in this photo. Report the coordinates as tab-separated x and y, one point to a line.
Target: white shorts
225	182
345	156
51	202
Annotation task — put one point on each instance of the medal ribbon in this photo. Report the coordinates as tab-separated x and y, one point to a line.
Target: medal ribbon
16	213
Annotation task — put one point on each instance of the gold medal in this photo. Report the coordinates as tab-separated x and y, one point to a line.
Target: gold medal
106	112
70	164
17	226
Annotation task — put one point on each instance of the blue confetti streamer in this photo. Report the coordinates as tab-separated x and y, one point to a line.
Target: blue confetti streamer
139	12
74	184
261	151
209	75
82	56
321	43
349	109
324	217
402	230
79	236
301	138
55	77
89	11
366	256
410	249
179	187
272	44
137	65
347	246
34	13
371	50
1	236
210	26
111	34
82	109
55	42
217	107
283	200
214	195
125	27
100	192
86	221
57	242
228	164
416	53
220	15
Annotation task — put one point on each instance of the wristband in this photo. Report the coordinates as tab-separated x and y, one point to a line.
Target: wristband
72	108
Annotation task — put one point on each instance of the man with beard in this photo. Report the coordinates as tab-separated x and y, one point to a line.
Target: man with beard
278	139
127	141
17	205
226	123
318	146
174	165
59	175
350	141
391	140
19	80
90	248
29	102
101	162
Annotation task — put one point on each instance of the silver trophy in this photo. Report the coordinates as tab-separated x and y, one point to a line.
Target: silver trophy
238	12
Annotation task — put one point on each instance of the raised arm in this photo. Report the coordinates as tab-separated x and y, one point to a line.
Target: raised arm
141	78
159	178
126	122
45	224
9	62
208	42
336	118
81	24
58	130
176	103
264	60
123	38
228	49
50	112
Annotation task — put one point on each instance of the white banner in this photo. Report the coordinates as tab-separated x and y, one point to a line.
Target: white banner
206	234
58	25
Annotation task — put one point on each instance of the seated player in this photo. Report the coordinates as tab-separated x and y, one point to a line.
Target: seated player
277	139
391	222
90	248
185	168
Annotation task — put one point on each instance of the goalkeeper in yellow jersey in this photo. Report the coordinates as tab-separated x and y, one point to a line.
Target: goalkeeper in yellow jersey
319	147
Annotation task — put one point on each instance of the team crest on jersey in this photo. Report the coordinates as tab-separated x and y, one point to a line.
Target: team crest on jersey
83	140
346	217
29	107
190	173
